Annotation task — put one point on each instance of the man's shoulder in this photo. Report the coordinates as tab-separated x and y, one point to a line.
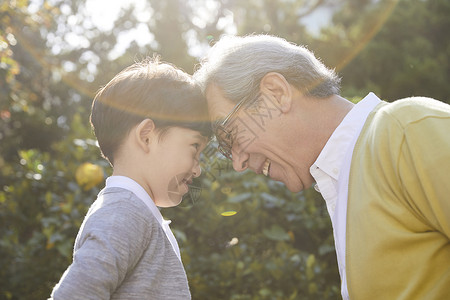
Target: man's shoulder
407	111
413	108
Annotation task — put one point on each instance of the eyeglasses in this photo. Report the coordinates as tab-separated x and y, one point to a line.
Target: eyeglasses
225	136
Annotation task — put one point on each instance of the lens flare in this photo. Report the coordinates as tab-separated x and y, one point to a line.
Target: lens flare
386	10
228	213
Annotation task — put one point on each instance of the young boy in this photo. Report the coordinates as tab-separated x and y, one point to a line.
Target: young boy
151	123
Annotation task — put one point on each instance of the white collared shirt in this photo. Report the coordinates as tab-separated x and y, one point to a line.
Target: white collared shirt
134	187
331	173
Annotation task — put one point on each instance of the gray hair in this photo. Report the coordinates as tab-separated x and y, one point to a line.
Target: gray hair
237	65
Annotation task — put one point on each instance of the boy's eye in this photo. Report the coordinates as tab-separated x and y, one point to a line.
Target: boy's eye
196	146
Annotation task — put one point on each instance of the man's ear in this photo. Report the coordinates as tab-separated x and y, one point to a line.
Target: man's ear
144	133
275	85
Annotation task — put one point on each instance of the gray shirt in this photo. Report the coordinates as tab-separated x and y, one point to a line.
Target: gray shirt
122	252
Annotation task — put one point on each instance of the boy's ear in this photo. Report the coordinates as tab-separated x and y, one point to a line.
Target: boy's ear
274	84
144	133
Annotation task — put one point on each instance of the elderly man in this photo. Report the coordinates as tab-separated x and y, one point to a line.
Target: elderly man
381	167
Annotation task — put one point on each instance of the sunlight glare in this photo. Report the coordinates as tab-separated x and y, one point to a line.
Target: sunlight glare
104	12
229	213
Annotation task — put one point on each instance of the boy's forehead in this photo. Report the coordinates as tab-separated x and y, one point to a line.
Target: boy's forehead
192	134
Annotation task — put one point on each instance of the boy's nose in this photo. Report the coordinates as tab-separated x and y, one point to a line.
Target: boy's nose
197	170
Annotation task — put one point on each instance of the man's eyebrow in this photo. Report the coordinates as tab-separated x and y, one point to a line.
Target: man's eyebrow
217	123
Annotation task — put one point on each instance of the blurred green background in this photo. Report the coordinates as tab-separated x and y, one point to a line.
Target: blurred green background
246	237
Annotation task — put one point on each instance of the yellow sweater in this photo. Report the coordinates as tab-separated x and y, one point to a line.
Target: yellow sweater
398	215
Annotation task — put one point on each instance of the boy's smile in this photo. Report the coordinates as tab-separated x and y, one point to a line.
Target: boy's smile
179	185
176	154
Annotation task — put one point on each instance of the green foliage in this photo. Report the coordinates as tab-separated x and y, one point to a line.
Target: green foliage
41	209
409	54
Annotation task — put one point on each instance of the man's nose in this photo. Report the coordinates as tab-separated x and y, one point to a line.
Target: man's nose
240	160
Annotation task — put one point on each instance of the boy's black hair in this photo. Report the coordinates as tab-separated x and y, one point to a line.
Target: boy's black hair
147	89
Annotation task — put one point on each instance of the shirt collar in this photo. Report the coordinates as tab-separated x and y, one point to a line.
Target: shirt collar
134	187
333	154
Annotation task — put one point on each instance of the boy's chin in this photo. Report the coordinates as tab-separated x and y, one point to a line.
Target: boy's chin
172	199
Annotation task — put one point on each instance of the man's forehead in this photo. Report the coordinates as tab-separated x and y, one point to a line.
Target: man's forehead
218	105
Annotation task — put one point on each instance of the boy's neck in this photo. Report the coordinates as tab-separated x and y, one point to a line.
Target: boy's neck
127	173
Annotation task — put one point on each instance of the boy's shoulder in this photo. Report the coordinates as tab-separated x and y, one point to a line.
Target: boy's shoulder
118	194
121	203
119	213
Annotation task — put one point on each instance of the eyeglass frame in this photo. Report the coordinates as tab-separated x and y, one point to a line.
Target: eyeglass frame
223	146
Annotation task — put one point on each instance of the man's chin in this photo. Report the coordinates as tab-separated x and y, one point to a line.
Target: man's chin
294	188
